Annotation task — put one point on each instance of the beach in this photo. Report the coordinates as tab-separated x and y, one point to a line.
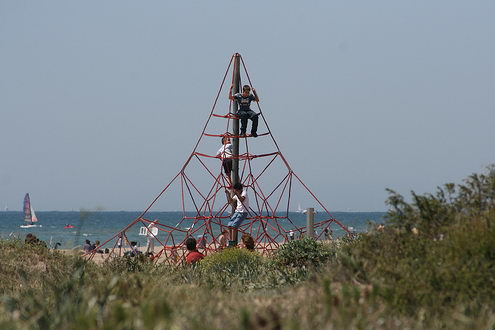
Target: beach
101	226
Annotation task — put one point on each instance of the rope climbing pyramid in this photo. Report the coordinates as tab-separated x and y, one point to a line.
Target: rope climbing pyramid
204	181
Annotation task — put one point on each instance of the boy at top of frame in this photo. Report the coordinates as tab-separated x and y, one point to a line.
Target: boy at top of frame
244	112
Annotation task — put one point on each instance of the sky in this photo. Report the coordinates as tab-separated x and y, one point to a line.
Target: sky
101	102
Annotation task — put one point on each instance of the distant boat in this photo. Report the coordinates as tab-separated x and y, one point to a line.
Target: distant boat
68	226
189	228
29	214
300	210
305	211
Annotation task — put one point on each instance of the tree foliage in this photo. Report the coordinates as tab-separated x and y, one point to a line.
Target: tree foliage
450	204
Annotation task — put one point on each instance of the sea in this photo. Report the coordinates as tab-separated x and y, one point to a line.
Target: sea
102	225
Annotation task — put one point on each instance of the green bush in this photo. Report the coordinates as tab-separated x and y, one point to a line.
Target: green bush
232	259
235	269
455	268
231	267
305	252
449	205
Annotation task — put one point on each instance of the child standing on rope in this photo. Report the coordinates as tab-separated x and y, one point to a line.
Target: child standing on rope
239	199
244	113
225	154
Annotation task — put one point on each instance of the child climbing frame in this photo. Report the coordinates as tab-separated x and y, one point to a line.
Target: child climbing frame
200	189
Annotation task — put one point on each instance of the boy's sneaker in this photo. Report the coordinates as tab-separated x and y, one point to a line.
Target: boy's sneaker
243	133
254	134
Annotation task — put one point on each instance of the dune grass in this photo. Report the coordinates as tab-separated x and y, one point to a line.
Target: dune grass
431	267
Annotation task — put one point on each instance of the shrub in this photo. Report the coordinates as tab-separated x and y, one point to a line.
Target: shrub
231	267
450	204
232	259
453	267
305	252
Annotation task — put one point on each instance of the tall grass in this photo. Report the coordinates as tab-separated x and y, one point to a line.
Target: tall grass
417	273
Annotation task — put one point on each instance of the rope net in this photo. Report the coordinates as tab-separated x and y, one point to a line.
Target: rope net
200	187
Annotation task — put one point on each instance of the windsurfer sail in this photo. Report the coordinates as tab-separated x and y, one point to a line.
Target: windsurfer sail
29	214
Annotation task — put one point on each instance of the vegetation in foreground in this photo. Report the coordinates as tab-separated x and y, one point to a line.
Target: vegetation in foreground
431	267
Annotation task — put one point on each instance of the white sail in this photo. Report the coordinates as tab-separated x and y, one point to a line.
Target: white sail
29	215
33	216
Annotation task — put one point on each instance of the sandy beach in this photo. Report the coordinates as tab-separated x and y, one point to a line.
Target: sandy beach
161	254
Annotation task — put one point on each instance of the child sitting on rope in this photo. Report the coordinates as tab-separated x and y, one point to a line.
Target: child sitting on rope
239	199
244	113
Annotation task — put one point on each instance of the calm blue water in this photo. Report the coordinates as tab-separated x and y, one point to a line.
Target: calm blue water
103	225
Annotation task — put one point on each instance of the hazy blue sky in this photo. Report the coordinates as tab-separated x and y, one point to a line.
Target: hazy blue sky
101	102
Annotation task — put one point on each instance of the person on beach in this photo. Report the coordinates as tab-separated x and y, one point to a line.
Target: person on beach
291	235
134	250
328	234
96	245
32	239
238	199
174	254
223	239
244	112
87	246
150	237
193	256
225	154
247	242
202	240
119	241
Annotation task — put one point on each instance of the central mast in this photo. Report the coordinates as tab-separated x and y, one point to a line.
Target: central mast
235	124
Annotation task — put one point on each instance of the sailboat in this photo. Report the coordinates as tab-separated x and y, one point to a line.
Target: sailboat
29	214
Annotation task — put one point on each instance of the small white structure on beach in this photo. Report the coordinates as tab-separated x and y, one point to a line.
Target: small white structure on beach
145	231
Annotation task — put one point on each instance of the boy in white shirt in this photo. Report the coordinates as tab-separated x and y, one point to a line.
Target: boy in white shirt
239	199
225	154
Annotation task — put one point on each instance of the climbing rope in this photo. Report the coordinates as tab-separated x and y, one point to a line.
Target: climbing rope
268	225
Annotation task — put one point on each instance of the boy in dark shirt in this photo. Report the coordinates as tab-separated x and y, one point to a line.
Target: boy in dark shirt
244	113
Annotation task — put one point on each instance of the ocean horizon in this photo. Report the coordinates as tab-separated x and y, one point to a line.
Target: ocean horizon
102	225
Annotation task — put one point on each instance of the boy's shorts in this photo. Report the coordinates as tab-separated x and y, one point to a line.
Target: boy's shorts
237	219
